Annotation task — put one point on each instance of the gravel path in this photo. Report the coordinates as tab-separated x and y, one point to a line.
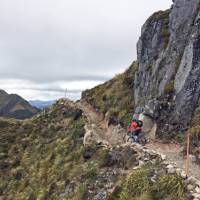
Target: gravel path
173	152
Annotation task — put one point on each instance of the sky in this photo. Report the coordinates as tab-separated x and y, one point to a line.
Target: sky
48	47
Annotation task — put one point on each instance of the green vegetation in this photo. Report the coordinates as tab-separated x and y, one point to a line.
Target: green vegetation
40	156
169	87
136	184
169	187
37	160
139	186
115	98
195	131
180	137
43	156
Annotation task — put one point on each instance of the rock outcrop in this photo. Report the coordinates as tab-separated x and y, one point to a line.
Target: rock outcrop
169	64
164	83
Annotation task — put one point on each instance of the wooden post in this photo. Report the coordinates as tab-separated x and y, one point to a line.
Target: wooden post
187	156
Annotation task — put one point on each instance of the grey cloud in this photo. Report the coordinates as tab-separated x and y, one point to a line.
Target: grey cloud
70	40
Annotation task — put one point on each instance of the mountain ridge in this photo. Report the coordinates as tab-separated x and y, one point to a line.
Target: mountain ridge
12	105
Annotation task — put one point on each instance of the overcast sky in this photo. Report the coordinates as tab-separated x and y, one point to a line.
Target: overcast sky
49	45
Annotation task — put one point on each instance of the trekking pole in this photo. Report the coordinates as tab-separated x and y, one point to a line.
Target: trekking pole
187	156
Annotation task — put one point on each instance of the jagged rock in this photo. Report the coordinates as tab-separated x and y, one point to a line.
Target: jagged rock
163	157
100	196
178	171
171	169
190	187
122	157
183	175
196	195
149	126
198	182
192	180
68	190
152	108
91	137
141	163
197	189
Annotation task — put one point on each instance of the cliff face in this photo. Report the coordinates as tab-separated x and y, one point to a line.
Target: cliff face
168	78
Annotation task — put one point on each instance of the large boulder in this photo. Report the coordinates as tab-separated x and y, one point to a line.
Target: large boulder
152	109
149	126
91	137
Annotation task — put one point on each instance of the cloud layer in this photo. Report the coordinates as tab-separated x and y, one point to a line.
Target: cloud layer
52	42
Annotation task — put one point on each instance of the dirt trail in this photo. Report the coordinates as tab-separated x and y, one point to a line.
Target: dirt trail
175	155
95	118
170	150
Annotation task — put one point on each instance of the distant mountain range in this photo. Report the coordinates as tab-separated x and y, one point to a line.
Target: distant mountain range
12	105
41	104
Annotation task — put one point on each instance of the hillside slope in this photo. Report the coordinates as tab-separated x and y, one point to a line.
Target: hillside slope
115	98
12	105
44	158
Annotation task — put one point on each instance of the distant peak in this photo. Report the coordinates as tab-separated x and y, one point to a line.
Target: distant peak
3	92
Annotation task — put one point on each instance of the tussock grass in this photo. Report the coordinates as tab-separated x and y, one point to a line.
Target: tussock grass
115	98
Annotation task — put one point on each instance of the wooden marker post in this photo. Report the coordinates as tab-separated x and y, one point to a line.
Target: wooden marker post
187	155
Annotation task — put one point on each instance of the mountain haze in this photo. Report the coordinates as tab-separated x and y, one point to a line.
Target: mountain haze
41	104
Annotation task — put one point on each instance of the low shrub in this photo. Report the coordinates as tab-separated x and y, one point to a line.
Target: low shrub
103	157
3	123
137	183
169	87
169	187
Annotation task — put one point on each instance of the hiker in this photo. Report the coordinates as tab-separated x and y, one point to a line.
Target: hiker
135	128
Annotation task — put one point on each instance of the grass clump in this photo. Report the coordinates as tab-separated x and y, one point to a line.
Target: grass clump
195	131
169	187
103	155
137	183
80	192
169	87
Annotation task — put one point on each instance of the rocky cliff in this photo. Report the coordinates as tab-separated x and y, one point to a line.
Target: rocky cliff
12	105
169	64
166	77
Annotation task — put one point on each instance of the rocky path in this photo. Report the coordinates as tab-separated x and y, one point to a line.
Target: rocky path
114	135
173	153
